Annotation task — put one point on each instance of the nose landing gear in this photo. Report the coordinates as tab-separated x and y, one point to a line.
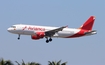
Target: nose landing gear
18	37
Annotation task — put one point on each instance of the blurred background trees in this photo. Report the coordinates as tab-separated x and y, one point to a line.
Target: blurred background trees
8	62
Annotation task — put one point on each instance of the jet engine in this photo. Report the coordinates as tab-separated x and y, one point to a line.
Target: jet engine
38	35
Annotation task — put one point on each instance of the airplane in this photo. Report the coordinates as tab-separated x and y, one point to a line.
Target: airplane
38	32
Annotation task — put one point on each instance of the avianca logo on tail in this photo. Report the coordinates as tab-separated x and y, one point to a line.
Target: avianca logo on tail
34	28
88	24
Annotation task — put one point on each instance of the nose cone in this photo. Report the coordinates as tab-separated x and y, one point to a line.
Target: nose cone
8	29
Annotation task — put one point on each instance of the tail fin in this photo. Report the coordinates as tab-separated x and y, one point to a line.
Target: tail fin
88	24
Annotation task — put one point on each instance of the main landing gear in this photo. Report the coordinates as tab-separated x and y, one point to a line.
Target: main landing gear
48	40
18	37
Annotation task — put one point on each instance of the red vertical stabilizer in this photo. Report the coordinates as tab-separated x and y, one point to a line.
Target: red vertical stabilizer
88	24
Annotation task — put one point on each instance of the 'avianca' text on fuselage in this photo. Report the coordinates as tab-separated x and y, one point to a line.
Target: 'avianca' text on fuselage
39	32
33	28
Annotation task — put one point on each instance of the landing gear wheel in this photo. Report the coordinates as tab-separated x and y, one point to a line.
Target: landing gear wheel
50	39
47	41
18	38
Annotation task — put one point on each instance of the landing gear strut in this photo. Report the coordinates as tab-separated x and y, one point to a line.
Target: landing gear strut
48	40
18	37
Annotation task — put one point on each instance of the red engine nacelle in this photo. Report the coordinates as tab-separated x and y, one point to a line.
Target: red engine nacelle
38	35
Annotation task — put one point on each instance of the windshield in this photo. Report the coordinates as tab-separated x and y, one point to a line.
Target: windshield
13	26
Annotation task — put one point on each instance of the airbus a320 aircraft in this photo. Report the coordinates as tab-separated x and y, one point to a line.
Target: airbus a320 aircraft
39	32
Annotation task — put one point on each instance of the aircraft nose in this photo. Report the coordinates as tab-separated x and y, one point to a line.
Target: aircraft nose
9	29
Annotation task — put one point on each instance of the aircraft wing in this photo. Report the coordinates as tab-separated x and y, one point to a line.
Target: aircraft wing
52	32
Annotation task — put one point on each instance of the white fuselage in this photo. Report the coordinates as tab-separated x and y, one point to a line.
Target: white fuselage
32	29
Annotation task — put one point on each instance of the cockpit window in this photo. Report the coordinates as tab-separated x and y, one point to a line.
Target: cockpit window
13	26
